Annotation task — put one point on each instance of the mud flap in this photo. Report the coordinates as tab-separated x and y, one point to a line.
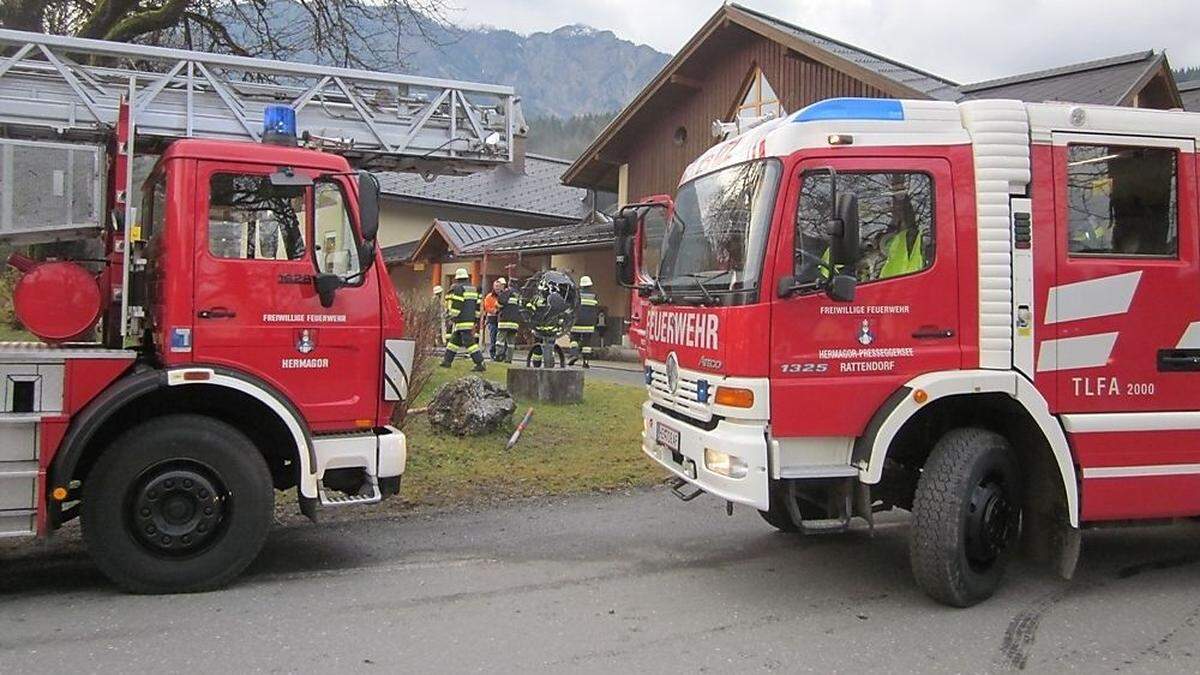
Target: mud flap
1050	541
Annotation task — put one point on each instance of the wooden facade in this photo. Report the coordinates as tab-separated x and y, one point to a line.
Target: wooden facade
724	67
668	124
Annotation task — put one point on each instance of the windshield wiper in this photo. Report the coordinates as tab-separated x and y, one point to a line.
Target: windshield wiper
705	279
662	293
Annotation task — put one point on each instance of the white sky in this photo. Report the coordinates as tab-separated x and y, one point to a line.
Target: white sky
964	40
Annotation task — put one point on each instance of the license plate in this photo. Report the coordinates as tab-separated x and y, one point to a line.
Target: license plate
667	437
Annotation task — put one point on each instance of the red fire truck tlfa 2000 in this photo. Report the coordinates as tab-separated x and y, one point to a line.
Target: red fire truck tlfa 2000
986	313
251	337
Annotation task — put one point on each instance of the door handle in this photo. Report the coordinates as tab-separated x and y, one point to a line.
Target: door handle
933	333
1178	360
216	313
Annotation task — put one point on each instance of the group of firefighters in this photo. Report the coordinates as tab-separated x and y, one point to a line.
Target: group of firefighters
502	310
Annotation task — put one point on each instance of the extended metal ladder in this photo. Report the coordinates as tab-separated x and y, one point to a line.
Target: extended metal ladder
50	89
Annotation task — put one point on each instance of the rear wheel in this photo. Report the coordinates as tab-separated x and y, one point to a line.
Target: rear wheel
966	517
178	504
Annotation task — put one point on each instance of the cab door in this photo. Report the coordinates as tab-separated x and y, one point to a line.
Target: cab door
833	364
1122	321
256	309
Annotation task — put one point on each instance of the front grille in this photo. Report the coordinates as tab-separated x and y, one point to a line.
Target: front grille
684	401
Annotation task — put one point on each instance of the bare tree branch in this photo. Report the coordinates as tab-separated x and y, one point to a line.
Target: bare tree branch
355	33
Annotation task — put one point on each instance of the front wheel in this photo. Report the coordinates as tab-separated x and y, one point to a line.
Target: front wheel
179	504
966	517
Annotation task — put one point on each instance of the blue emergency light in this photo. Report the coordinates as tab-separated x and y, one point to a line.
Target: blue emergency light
702	391
887	109
279	125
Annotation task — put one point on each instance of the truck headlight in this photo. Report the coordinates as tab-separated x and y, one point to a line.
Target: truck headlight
725	464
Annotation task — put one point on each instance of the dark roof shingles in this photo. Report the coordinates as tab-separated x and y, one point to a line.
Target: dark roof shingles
537	191
927	83
1101	82
1190	93
564	236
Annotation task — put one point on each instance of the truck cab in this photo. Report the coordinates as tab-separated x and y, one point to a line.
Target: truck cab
229	330
950	309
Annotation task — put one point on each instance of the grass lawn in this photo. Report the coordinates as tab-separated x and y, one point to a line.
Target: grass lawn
569	448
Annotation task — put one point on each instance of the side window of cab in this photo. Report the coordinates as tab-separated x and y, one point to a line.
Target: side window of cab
896	221
249	219
337	243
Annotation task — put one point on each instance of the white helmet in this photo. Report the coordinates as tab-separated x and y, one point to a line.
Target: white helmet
585	281
437	290
502	281
461	273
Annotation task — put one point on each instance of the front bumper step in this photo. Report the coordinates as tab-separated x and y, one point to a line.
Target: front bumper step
370	495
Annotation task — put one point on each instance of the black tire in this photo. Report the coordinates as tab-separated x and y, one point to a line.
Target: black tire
778	516
966	517
179	504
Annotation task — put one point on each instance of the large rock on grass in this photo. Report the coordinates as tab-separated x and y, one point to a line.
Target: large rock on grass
470	406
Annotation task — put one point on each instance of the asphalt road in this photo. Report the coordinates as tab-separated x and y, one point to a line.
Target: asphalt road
619	583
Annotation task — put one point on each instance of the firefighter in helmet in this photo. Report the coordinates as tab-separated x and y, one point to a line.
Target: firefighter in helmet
585	323
462	306
509	320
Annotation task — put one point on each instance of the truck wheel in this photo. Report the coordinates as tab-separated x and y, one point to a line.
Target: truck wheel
778	516
966	516
179	504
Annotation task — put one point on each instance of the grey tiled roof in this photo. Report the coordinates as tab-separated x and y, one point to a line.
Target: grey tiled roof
462	236
1190	93
399	252
537	191
579	235
922	81
1102	82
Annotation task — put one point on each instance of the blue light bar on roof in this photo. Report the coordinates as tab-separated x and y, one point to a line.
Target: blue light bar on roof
888	109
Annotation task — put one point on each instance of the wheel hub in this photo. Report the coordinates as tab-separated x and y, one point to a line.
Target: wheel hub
989	523
177	510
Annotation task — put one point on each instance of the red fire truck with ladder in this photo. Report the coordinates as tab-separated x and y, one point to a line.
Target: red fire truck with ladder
249	337
986	313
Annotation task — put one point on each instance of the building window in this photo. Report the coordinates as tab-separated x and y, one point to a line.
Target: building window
1122	201
760	99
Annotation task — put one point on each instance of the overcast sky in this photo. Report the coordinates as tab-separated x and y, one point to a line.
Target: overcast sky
964	40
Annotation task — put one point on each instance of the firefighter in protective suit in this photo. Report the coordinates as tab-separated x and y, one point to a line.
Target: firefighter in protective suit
585	323
462	308
509	321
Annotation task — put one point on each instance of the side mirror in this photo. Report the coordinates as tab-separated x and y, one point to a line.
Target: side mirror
841	287
327	286
368	205
624	225
844	229
623	248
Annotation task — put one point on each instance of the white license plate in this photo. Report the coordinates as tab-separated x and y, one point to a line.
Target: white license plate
667	437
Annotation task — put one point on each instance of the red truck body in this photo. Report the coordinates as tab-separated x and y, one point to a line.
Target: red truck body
1054	307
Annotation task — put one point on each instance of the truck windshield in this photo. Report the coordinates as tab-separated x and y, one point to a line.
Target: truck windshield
716	239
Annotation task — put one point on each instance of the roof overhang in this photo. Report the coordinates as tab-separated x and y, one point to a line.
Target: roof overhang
597	166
